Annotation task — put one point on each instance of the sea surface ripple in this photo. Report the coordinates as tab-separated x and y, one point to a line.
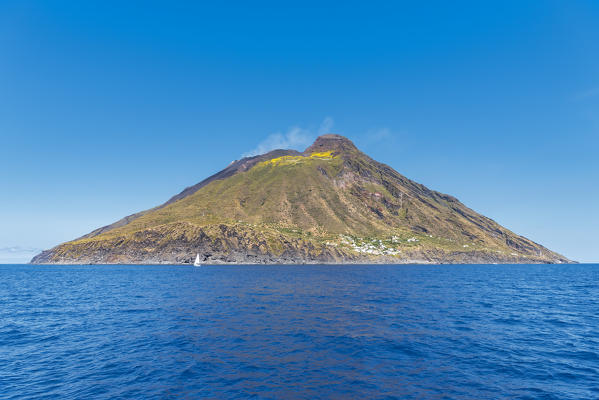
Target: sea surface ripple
300	332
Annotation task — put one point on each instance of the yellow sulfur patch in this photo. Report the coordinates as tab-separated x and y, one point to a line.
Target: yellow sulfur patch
286	160
324	154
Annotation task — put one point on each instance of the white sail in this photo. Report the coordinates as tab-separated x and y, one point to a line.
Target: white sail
197	261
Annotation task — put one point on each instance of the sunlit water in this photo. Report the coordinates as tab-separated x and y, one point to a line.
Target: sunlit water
475	331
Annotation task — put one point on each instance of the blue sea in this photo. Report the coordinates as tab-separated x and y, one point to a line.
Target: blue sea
299	332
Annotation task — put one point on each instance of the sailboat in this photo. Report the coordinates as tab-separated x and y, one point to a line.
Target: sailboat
197	263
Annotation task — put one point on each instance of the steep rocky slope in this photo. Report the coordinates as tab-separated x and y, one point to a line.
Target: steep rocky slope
329	204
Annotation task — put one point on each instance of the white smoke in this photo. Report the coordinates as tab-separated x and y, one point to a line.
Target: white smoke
295	138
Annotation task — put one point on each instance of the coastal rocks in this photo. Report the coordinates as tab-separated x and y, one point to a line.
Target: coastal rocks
238	244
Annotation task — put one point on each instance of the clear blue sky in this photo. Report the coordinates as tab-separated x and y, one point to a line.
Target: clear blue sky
111	107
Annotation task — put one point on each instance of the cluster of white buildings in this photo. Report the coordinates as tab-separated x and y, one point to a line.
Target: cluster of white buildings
375	247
